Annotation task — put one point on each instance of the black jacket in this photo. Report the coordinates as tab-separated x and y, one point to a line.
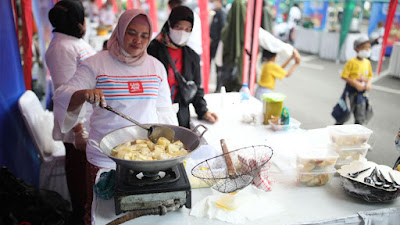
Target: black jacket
191	71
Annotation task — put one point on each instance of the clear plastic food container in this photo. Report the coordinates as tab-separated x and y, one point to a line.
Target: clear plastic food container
349	154
293	124
349	135
317	159
313	179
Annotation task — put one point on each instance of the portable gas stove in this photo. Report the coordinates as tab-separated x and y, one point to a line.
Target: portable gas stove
138	190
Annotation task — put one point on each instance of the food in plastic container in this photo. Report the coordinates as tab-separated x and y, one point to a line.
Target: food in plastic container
349	135
349	154
318	159
293	124
339	164
312	179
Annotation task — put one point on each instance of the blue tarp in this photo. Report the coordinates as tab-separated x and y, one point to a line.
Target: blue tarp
16	148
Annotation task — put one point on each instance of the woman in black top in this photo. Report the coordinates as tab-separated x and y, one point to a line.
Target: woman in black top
172	40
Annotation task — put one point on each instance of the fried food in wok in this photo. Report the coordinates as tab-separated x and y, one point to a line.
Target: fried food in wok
146	150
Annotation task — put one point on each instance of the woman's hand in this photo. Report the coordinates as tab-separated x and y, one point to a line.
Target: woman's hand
211	117
95	96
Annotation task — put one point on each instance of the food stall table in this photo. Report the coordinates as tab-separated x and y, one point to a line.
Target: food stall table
394	65
330	45
287	202
307	40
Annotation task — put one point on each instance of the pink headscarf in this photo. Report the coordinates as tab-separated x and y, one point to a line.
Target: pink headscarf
116	40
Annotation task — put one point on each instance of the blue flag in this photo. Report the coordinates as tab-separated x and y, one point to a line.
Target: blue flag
16	147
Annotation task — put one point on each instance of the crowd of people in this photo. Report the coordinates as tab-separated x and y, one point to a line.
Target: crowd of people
144	77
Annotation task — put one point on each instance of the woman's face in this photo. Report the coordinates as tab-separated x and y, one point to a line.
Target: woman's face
136	39
183	25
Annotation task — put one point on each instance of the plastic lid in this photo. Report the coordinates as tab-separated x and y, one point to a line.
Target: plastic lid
245	85
317	153
349	129
273	97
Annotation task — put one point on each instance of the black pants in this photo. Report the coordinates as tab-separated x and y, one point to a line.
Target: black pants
75	169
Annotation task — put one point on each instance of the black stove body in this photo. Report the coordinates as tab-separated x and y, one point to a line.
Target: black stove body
137	190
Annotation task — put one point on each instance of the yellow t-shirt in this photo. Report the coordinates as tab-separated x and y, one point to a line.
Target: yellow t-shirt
270	71
355	68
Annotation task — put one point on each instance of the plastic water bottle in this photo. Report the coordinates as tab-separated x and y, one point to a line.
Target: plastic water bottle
244	93
247	116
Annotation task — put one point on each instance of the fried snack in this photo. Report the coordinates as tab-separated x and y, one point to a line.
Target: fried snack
307	165
145	150
312	180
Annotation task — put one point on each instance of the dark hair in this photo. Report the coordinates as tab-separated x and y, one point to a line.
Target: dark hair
66	16
177	14
172	3
105	45
268	55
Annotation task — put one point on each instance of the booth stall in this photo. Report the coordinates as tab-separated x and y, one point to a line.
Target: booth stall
287	201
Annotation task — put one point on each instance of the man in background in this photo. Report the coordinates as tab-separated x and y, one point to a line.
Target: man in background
217	23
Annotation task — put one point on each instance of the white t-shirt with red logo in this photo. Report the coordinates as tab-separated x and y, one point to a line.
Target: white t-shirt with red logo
136	91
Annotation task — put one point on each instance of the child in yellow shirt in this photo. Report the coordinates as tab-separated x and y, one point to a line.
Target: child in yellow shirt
357	73
271	70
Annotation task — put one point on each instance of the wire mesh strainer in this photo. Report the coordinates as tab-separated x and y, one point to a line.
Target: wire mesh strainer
217	174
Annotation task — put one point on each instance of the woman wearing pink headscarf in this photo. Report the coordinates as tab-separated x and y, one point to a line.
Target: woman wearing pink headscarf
124	77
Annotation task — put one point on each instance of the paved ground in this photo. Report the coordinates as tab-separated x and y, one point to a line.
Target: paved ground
315	88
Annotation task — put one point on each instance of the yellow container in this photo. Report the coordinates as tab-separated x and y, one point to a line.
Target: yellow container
272	105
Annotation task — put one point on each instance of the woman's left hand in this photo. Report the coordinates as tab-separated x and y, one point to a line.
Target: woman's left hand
211	117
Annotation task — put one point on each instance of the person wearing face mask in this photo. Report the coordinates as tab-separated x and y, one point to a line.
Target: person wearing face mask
171	42
124	77
67	50
357	73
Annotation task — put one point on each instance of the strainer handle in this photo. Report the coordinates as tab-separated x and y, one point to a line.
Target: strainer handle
197	127
228	159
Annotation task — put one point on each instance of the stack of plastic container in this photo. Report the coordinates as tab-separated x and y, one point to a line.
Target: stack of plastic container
349	142
315	167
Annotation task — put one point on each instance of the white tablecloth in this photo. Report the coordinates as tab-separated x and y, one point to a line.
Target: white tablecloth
394	65
287	203
330	45
307	40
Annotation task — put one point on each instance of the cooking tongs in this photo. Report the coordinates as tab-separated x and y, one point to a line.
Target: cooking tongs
153	132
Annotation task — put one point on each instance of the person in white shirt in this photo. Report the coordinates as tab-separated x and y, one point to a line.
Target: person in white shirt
106	15
293	19
67	50
124	77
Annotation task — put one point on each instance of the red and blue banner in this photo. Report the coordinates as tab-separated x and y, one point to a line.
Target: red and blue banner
317	11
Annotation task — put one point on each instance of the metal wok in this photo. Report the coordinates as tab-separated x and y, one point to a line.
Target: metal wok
189	138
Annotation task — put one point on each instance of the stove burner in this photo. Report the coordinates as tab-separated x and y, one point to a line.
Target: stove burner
134	178
141	190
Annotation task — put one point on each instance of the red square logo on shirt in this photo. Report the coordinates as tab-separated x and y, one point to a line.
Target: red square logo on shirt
135	87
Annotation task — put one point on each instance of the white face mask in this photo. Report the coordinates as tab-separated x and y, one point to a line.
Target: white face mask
211	6
364	54
179	37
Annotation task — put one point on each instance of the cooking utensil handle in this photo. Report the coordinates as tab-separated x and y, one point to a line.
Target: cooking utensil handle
197	127
94	144
228	159
111	109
